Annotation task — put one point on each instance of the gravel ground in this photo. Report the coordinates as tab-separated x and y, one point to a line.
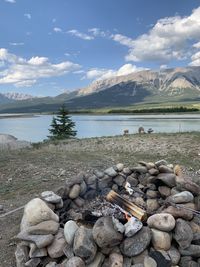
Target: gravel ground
24	173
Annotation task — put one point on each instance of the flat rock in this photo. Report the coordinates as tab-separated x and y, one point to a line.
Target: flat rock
55	250
104	233
185	183
41	241
44	228
165	191
135	245
75	262
161	240
161	162
78	179
70	229
37	211
162	221
115	260
37	252
84	245
51	197
33	262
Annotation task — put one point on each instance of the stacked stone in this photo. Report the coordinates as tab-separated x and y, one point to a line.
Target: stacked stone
170	236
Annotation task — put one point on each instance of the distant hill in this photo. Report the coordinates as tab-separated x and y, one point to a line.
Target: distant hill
178	84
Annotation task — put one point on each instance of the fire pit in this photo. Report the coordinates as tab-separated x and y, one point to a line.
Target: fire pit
122	216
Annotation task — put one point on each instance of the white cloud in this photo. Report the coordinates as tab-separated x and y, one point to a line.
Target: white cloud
81	35
56	29
97	32
10	1
163	67
16	44
170	38
25	72
196	45
195	59
27	15
101	74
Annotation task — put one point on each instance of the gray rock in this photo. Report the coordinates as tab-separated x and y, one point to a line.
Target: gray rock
98	260
21	254
164	191
91	182
139	169
119	180
167	178
70	229
1	207
75	262
33	262
70	181
43	228
118	226
104	233
165	169
153	172
183	233
68	251
55	250
115	260
161	162
127	262
162	221
41	241
98	174
149	262
140	258
135	245
83	186
192	250
110	172
185	183
51	197
127	171
132	180
52	264
84	245
105	182
132	227
161	240
75	191
152	193
183	197
196	239
37	252
179	213
185	261
152	205
174	255
138	265
120	166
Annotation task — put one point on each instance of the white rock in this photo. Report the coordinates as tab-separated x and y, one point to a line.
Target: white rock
70	229
37	211
132	226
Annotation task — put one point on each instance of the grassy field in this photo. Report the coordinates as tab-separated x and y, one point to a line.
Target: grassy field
24	174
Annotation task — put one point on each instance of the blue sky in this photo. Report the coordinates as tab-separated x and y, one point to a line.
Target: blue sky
51	46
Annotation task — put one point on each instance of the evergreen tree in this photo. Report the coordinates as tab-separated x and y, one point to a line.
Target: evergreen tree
62	127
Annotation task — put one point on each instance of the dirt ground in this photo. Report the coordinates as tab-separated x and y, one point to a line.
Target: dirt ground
25	173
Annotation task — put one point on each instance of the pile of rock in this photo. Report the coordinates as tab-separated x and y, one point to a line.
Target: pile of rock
53	232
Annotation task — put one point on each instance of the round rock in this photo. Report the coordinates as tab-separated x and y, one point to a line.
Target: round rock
162	221
75	191
70	229
183	197
161	240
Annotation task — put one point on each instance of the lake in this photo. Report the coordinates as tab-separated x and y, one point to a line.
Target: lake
35	128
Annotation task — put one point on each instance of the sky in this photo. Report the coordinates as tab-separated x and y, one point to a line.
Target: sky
48	47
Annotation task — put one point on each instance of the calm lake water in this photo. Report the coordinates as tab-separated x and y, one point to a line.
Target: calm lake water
35	128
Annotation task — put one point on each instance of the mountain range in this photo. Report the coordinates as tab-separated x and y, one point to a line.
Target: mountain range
147	86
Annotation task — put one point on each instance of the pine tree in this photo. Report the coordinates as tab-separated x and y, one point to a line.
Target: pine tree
62	127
